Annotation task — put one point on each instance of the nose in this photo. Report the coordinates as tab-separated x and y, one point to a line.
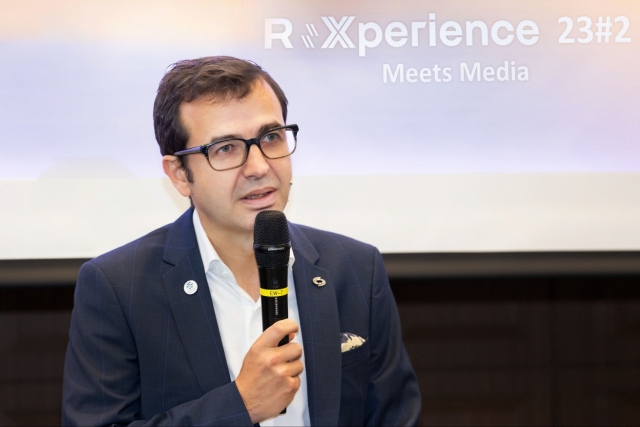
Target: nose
256	164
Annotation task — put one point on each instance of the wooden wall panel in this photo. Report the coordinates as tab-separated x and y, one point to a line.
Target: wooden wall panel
32	350
514	397
481	334
519	351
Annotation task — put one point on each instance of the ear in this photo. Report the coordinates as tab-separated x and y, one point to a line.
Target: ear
176	173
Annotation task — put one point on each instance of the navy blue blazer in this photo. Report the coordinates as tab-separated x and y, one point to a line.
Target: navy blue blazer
141	351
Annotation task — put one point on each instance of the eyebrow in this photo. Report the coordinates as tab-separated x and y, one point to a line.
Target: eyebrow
263	129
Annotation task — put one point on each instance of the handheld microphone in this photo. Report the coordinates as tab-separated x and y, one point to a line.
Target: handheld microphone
272	244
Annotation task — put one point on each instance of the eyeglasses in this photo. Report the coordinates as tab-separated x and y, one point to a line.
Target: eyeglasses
231	153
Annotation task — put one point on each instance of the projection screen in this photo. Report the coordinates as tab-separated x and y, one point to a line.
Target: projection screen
425	126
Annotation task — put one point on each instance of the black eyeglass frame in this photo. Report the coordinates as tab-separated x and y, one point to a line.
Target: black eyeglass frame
204	149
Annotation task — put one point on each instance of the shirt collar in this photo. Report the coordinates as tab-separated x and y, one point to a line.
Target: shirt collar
208	253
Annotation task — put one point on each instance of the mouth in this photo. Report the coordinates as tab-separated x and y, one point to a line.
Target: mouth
259	194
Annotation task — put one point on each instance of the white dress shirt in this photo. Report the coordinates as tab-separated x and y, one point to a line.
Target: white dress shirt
239	319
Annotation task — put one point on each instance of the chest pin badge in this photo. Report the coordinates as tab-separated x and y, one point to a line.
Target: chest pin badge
319	281
190	287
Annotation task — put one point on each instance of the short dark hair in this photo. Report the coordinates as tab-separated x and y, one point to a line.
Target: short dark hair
217	77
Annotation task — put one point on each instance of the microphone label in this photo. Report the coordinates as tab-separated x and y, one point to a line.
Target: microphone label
274	292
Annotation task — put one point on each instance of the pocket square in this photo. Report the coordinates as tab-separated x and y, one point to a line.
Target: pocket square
350	341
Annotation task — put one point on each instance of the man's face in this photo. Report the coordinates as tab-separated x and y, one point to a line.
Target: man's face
228	201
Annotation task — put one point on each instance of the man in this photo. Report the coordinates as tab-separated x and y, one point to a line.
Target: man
167	329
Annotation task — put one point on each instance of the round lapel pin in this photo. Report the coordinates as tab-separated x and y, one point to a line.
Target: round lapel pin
319	281
190	287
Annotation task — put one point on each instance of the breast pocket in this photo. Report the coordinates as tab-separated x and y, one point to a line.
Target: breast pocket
355	381
356	355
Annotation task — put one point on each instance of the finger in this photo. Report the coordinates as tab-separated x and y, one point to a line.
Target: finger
274	334
291	387
295	385
290	369
291	374
283	354
295	368
289	352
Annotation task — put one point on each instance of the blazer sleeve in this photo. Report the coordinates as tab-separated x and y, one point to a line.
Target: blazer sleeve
394	395
101	383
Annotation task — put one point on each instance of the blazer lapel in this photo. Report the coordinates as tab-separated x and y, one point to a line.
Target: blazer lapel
200	336
194	314
320	327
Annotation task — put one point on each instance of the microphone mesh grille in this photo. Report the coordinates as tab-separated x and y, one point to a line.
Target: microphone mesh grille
271	228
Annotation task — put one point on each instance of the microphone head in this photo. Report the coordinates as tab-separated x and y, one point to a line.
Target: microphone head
271	239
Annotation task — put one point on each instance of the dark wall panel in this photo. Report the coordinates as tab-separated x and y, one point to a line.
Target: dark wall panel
545	351
487	351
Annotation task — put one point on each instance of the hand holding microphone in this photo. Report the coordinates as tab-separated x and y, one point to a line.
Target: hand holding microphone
269	377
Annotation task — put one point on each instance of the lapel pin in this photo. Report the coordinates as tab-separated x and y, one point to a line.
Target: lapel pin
190	287
319	281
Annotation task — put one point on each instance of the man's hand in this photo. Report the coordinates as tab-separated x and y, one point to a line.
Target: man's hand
269	377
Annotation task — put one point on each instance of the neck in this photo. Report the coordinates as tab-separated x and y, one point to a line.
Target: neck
230	246
235	249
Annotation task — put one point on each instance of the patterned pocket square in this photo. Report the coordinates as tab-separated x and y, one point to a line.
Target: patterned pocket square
350	341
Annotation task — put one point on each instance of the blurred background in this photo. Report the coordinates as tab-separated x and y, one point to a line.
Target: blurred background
489	149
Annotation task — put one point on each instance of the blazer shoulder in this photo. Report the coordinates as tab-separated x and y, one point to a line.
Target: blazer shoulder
317	235
326	242
150	246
